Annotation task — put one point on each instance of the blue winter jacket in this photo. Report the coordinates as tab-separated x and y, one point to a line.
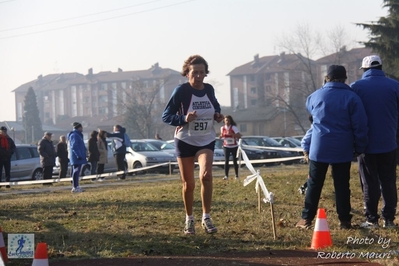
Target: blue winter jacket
339	124
76	147
380	96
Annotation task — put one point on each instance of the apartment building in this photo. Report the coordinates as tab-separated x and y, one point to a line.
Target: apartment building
268	94
68	95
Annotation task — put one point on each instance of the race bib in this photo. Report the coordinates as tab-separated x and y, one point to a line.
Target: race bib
200	126
229	141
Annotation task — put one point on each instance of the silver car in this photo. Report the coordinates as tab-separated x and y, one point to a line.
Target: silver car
152	156
25	164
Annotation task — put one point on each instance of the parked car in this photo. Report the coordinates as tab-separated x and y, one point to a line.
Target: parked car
264	141
25	164
218	153
292	142
152	156
254	153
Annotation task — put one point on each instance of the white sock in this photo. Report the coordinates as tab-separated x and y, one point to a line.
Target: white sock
205	216
189	217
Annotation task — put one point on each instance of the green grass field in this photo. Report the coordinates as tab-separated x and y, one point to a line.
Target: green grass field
131	218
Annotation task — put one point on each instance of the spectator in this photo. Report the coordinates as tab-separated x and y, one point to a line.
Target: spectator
62	153
377	167
47	156
103	150
7	149
77	154
192	108
94	153
339	129
119	149
229	133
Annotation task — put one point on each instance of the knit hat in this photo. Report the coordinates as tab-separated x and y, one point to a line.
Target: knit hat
336	72
3	128
76	125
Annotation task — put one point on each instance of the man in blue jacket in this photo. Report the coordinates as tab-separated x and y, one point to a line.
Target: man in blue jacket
377	167
77	154
338	131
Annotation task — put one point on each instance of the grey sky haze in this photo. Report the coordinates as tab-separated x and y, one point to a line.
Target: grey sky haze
41	37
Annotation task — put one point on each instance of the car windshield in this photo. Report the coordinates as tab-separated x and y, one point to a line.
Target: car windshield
294	140
271	142
250	142
143	146
167	146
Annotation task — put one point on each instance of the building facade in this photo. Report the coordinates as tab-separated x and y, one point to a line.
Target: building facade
67	95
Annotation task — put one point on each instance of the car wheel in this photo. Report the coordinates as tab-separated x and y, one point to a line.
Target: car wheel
86	170
138	165
37	174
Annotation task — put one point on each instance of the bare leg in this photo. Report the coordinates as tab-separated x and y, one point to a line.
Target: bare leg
186	166
205	161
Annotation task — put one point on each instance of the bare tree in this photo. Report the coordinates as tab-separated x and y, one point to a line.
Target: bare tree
305	44
142	107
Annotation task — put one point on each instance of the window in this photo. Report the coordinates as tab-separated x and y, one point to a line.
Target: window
34	152
103	99
24	153
253	90
103	87
103	110
243	127
251	78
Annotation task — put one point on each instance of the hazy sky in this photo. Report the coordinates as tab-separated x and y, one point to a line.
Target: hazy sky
41	37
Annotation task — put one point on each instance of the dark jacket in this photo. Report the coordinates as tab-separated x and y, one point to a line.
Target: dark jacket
94	153
5	154
47	152
118	142
62	152
380	96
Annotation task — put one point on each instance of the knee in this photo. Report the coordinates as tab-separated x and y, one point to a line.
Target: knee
206	177
188	187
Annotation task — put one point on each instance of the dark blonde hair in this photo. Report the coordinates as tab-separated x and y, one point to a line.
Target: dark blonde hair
232	122
102	134
193	60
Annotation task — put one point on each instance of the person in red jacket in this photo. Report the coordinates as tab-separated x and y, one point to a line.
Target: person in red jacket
230	134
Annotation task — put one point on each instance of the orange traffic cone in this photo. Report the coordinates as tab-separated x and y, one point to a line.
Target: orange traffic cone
3	248
41	257
321	235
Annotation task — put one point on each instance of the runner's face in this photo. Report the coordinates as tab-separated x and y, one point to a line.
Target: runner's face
196	76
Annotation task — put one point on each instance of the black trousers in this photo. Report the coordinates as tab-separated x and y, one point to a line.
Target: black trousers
48	172
341	176
7	169
63	169
120	163
227	152
100	168
378	176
